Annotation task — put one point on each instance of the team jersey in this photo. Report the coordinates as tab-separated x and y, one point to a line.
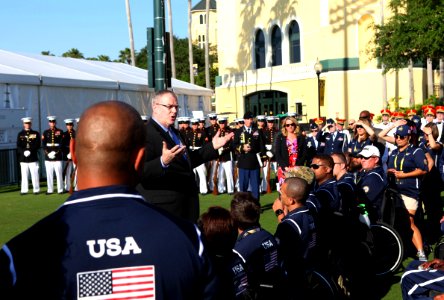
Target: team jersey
410	159
106	242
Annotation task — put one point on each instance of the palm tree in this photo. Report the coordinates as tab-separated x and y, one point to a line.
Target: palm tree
73	53
48	53
170	25
190	44
130	30
103	58
125	56
207	51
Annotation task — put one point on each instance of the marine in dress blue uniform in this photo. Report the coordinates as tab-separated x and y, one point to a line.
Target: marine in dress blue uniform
196	140
210	132
28	145
52	144
68	135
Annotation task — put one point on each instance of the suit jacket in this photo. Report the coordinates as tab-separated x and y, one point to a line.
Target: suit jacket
172	188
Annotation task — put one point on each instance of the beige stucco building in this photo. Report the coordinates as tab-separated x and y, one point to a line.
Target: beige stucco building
198	24
267	51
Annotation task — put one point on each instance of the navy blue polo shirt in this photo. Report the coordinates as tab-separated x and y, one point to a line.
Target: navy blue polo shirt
257	251
302	222
355	146
328	195
433	153
410	159
347	190
95	239
373	183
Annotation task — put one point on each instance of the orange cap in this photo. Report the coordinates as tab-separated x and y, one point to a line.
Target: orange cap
440	109
398	114
340	121
386	112
429	111
424	107
411	112
318	121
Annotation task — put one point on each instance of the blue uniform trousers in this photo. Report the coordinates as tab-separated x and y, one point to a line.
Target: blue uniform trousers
416	284
249	178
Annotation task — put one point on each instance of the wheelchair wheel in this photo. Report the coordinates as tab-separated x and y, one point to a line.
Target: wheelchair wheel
388	249
321	286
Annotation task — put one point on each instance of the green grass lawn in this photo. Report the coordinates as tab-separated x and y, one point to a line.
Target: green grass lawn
19	212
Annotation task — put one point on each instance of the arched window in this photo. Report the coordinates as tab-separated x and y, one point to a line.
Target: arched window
276	46
259	49
201	20
295	42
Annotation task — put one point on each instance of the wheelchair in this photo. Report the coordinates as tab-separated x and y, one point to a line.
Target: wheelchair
388	249
321	286
388	243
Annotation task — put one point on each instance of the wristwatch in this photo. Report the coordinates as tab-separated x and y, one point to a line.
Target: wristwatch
278	212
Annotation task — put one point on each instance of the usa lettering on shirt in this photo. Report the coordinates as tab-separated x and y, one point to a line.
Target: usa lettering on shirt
112	247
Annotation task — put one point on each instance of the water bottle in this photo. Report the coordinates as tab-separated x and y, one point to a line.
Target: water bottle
363	216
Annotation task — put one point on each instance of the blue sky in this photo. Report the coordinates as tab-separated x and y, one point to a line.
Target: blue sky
94	27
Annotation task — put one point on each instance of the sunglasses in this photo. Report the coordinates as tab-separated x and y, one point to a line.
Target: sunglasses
366	158
358	126
292	125
315	166
400	137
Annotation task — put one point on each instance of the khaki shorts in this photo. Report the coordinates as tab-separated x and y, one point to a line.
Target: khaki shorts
409	202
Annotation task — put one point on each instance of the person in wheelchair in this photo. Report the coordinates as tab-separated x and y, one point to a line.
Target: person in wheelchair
256	253
328	200
371	181
346	186
296	233
423	280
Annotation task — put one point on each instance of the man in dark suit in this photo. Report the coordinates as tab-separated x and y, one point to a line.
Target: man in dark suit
168	179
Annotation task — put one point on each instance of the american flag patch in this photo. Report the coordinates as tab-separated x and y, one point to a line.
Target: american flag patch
121	283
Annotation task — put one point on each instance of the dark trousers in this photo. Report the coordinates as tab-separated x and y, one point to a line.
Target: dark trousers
416	284
249	178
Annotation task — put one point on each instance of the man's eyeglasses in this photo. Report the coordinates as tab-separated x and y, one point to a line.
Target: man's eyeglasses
169	107
400	137
292	125
315	166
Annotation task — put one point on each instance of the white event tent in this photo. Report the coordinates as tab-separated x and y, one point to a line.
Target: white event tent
38	86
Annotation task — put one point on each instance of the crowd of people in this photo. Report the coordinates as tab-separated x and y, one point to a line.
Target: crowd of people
149	200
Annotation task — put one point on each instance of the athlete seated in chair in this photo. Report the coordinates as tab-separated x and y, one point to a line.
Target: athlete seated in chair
423	280
296	232
257	252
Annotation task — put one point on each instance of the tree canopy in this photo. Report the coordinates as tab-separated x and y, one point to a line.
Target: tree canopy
414	32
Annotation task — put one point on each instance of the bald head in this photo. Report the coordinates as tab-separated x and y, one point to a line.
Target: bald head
108	139
296	188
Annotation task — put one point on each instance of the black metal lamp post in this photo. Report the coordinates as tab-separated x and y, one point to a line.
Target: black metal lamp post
318	70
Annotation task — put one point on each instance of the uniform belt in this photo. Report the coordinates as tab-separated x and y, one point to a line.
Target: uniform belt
53	145
194	148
